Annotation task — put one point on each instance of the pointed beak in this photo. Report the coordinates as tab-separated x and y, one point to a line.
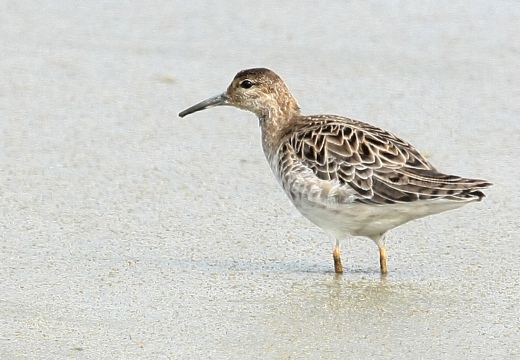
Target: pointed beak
217	100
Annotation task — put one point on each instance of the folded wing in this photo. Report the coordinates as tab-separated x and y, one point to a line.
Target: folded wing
378	166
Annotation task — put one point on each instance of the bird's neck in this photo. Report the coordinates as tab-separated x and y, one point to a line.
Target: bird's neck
274	120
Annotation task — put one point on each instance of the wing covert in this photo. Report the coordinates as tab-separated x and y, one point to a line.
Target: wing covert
379	166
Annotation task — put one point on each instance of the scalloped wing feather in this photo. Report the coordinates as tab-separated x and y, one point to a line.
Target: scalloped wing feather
378	166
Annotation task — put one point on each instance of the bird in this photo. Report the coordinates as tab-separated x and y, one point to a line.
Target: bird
346	176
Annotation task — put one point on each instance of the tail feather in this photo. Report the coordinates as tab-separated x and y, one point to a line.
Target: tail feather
417	184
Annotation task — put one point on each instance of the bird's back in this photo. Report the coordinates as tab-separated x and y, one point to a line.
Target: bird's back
335	160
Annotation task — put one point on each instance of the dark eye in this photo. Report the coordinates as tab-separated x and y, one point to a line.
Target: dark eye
246	84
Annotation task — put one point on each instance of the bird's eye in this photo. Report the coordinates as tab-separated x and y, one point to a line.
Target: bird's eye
246	84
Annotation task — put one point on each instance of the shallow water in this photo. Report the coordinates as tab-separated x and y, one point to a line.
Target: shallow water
127	232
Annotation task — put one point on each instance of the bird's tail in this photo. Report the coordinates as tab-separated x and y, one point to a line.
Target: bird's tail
408	185
451	187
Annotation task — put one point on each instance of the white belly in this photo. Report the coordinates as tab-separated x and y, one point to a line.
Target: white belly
356	219
333	207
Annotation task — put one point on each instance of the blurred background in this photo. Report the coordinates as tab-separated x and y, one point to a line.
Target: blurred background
127	232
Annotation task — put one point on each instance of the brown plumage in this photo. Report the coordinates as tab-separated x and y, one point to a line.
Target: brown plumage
348	177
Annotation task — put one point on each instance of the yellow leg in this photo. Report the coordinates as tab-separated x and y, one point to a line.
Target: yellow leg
337	259
382	260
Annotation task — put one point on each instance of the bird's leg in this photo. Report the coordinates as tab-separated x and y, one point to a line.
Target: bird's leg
336	254
382	259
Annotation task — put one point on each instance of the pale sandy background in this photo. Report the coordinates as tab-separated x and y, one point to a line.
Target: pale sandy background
128	233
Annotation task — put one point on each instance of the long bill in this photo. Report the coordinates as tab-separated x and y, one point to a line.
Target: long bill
217	100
